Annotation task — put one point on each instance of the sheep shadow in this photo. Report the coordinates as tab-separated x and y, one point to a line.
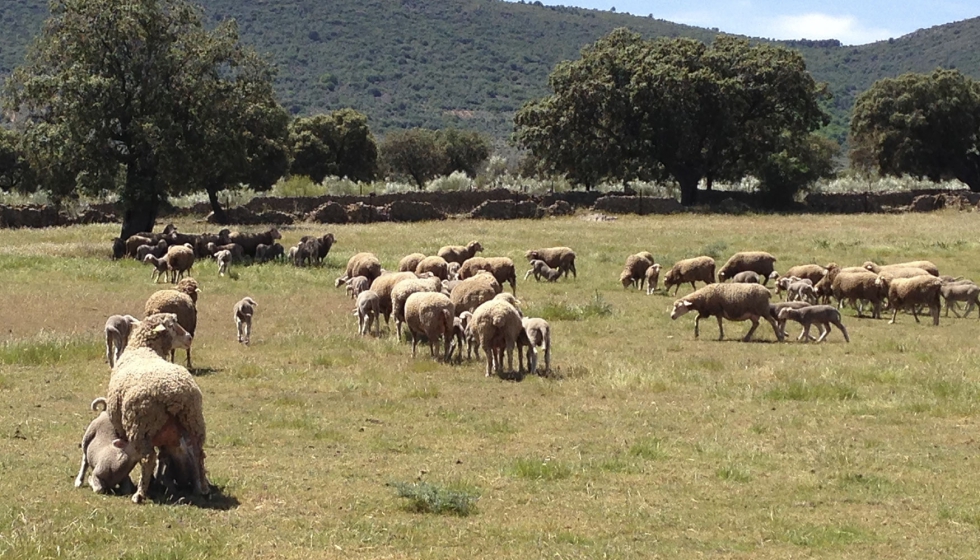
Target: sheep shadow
205	371
216	500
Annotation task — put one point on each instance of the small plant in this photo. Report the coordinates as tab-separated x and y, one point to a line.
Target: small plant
564	311
538	469
431	498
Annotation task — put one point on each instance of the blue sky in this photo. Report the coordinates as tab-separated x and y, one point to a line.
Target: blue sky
853	22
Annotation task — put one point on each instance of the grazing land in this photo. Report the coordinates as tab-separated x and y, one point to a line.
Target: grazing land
643	442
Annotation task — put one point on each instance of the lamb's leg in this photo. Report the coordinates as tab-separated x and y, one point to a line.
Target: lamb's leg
843	331
824	331
80	479
248	332
748	335
238	326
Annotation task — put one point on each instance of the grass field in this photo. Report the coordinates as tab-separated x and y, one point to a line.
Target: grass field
643	443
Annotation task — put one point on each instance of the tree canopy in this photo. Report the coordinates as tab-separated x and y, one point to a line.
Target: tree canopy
422	155
924	125
137	97
338	143
670	109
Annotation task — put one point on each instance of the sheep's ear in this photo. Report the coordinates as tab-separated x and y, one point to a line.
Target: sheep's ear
159	328
119	443
686	303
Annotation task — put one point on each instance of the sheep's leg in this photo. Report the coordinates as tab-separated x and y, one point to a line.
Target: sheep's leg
824	331
721	329
146	475
775	328
934	311
547	355
748	335
189	366
376	321
697	323
415	342
489	354
248	332
843	331
80	479
510	356
915	315
894	315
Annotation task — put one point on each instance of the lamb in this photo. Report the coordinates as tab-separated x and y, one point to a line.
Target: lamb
458	253
117	328
470	293
746	277
540	269
158	250
180	259
859	286
961	291
652	275
161	267
697	269
107	454
454	270
153	402
181	301
244	310
251	241
410	262
496	325
928	266
634	271
361	264
539	334
822	315
133	243
368	311
356	285
223	259
462	334
502	268
911	292
265	253
435	265
812	272
306	251
562	258
801	290
756	261
401	291
382	285
775	308
430	314
735	302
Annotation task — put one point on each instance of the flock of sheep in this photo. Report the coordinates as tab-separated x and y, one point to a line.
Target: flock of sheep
152	411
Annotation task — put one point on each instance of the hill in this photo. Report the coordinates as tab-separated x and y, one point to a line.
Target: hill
472	63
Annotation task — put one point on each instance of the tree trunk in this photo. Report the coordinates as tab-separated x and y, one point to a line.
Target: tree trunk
140	199
689	190
136	220
220	216
969	172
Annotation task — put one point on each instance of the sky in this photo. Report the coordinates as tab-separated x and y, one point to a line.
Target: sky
853	22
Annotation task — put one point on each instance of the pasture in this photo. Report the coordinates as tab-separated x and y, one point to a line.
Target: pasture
643	442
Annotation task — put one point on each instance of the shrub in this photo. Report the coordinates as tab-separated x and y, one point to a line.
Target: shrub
431	498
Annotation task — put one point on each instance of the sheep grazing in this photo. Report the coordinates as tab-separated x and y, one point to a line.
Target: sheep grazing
430	314
356	285
496	326
912	292
757	261
540	269
961	291
634	271
652	276
155	403
401	291
244	310
856	287
458	253
161	267
539	335
223	258
697	269
735	302
437	266
117	328
822	315
747	277
180	259
250	241
361	264
107	454
928	266
181	301
410	262
502	268
368	311
562	258
265	253
382	285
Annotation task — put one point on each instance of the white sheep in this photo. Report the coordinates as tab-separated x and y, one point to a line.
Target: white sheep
539	335
911	292
562	258
697	269
756	261
182	301
858	287
928	266
822	315
430	314
117	329
634	271
401	291
747	277
107	454
961	291
496	325
801	290
180	258
735	302
223	258
244	310
652	275
458	253
154	402
356	285
368	310
161	267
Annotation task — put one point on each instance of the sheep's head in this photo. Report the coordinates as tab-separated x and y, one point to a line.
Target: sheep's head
474	247
626	279
531	255
722	276
162	333
785	313
872	267
188	286
274	234
681	307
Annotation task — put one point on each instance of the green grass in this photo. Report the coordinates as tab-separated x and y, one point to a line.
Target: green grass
642	442
424	497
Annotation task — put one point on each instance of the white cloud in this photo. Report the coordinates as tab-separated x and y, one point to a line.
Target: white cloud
822	26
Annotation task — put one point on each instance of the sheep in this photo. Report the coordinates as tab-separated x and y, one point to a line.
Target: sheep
108	455
327	241
161	267
859	286
961	291
401	291
244	310
775	308
889	274
265	253
928	266
410	262
182	301
746	277
454	270
133	243
735	302
382	285
117	329
430	314
223	259
824	287
539	334
822	315
470	293
180	258
458	253
910	292
154	402
436	265
756	261
306	251
634	270
250	241
652	276
158	250
496	325
812	272
801	290
562	258
540	269
502	268
356	285
697	269
368	311
361	264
